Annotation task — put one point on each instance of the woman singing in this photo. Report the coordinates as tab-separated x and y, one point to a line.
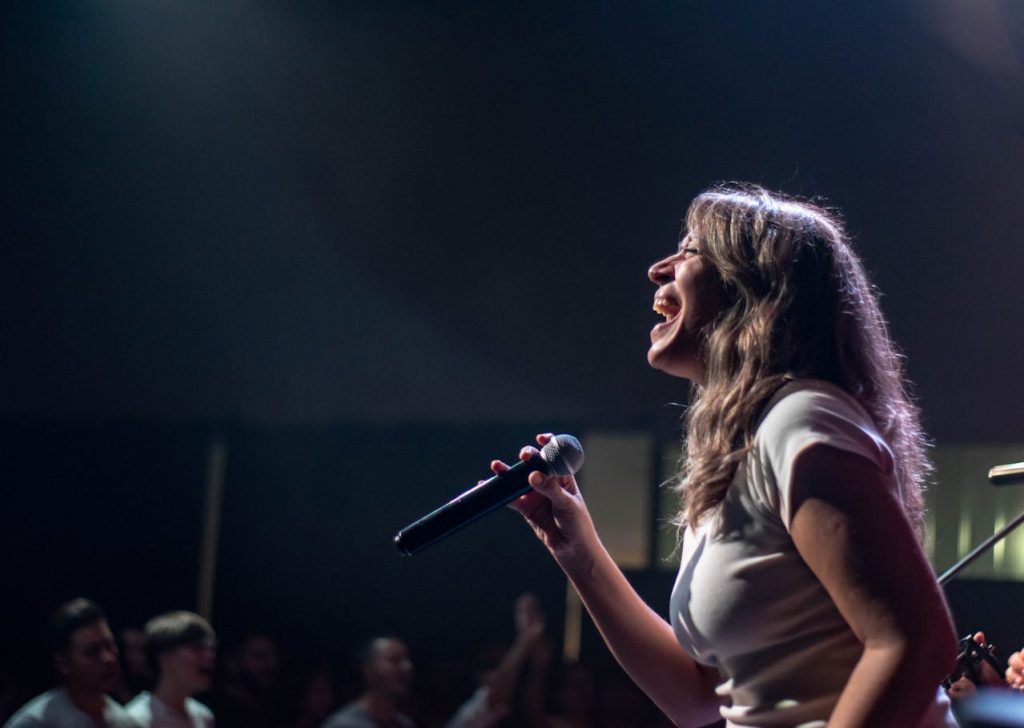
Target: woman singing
803	597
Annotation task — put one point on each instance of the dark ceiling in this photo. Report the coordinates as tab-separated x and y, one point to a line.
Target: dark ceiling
439	211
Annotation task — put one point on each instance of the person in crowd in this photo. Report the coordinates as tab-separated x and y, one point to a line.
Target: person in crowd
620	702
575	698
135	673
313	697
249	696
181	651
587	696
495	697
804	596
85	657
387	672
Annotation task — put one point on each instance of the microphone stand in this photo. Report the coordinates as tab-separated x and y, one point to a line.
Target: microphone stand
981	549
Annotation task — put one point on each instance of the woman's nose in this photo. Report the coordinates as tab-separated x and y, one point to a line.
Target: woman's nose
663	271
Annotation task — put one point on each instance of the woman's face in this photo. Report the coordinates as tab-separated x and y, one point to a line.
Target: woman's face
689	296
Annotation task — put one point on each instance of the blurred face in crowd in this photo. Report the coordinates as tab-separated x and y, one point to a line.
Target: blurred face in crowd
133	654
191	666
318	699
90	663
390	668
257	663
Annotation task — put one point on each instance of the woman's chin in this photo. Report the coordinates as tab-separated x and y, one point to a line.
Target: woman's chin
660	359
671	363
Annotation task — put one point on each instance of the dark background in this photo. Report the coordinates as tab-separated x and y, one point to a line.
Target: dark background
377	244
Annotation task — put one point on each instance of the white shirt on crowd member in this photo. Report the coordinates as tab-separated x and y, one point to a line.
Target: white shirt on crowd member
149	711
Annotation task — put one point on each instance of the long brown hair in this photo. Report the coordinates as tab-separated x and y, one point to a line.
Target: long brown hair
798	306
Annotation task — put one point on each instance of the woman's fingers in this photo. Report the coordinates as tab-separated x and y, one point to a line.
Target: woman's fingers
498	467
550	494
555	488
558	490
529	452
527	503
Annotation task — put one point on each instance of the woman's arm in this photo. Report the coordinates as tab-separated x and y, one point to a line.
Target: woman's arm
851	530
642	642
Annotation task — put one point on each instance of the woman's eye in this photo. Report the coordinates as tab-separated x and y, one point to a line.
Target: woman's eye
690	250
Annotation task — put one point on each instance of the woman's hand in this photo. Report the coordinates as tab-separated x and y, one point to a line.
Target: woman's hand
641	640
556	512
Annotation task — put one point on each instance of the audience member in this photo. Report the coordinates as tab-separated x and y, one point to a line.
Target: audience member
575	699
135	673
249	696
387	673
85	657
180	649
314	699
584	697
619	702
493	700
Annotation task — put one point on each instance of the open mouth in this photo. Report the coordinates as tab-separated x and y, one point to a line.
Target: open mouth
665	306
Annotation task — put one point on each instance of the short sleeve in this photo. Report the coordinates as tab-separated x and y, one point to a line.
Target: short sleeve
812	415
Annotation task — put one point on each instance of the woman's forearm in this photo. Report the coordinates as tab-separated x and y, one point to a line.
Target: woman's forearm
641	641
644	643
892	685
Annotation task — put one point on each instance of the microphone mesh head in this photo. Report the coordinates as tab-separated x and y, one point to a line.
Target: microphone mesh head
563	454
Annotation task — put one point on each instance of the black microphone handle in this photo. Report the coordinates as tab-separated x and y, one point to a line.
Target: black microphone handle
471	505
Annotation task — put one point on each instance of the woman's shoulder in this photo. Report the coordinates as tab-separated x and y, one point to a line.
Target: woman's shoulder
808	412
806	401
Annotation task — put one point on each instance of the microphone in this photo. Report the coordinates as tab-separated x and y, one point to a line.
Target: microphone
563	455
1008	474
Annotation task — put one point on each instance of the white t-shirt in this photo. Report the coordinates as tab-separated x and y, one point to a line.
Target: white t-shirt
55	709
150	712
746	603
